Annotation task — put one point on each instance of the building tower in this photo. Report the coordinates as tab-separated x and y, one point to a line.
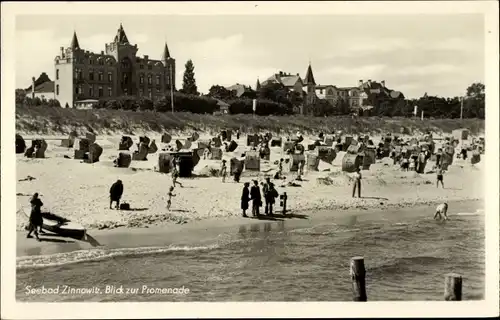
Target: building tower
125	56
310	85
169	64
257	86
65	79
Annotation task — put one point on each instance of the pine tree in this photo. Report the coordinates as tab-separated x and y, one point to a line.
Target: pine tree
188	81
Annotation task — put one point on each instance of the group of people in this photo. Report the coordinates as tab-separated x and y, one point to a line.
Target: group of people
269	193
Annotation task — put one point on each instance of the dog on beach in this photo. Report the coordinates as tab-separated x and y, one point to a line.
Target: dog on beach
441	210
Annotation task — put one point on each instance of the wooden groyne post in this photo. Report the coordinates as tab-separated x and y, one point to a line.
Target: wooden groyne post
452	287
358	274
283	199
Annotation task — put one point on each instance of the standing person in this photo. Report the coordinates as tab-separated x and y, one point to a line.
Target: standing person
256	198
237	174
357	183
170	195
404	164
238	134
270	194
245	198
300	171
439	177
115	194
280	169
421	162
464	153
36	219
438	157
412	164
223	171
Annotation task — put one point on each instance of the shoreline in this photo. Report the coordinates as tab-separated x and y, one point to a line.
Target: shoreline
159	236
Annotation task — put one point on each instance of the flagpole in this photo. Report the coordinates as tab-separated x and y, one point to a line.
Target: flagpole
171	90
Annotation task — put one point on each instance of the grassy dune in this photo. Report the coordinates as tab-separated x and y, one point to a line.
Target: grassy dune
47	120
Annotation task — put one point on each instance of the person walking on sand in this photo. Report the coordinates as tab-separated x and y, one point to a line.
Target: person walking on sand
245	198
439	177
256	198
357	183
170	195
36	219
175	176
115	194
223	171
300	171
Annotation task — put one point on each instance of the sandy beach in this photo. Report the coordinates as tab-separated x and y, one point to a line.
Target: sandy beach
80	191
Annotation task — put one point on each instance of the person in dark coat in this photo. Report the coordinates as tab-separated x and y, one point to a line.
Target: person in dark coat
115	194
36	219
269	195
245	198
256	198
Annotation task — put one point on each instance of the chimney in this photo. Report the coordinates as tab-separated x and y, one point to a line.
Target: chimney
369	82
32	87
281	73
360	82
62	52
146	57
297	74
102	52
382	83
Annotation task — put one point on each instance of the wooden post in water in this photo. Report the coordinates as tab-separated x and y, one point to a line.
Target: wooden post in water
283	198
452	287
358	279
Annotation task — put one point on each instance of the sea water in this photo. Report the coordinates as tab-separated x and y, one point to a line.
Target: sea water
406	257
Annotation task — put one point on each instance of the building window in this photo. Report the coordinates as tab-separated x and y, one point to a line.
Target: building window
125	78
167	80
79	90
141	78
110	91
91	92
125	91
157	90
78	74
57	74
354	102
101	62
101	76
157	80
91	75
150	67
141	91
150	80
100	92
57	89
110	77
320	91
150	93
91	61
141	66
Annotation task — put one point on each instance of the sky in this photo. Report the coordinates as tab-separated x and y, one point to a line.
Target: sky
415	54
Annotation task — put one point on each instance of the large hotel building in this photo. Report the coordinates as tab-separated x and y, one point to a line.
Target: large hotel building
82	75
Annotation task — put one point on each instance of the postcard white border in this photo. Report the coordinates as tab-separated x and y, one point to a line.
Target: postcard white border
15	310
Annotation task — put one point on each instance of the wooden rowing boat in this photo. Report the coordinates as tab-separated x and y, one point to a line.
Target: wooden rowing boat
60	226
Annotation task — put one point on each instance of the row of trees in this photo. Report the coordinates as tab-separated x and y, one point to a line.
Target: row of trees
276	99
